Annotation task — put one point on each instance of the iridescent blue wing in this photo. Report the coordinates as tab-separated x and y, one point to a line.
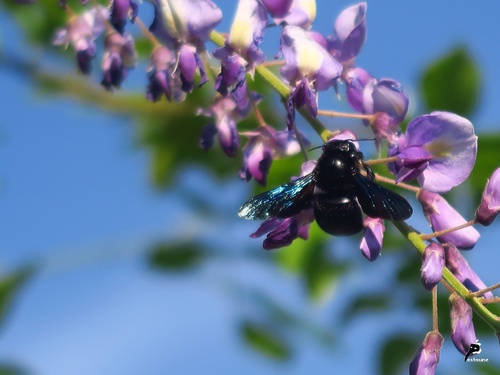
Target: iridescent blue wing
284	201
377	201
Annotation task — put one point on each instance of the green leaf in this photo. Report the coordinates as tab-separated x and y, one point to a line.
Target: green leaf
397	352
366	303
265	340
168	256
10	286
452	83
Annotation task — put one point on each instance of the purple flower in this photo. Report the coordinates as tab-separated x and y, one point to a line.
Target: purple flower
190	63
373	236
440	148
80	32
161	79
265	144
489	208
119	56
308	68
432	265
282	232
302	14
349	33
188	21
383	98
225	113
241	52
183	26
120	11
277	8
232	76
459	267
441	215
462	327
426	358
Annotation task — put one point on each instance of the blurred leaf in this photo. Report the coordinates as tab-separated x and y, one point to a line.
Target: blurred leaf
40	19
452	83
397	351
487	368
320	273
8	369
409	272
279	315
10	286
168	256
366	303
293	258
310	260
265	340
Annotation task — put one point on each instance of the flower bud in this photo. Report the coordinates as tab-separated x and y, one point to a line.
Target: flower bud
462	328
432	265
426	358
489	208
371	244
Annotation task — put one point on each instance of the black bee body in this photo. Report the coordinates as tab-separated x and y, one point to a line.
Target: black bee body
336	208
336	190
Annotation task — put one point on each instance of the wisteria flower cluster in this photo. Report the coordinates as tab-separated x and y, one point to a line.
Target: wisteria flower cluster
435	153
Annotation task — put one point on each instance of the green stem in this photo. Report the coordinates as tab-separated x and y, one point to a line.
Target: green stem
449	279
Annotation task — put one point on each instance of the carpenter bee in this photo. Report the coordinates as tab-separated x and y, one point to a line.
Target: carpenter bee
336	190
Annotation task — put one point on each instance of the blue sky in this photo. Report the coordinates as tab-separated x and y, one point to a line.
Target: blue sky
75	194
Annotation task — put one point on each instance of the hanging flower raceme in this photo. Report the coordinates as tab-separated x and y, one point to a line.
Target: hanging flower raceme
302	13
349	34
308	68
119	57
384	98
489	208
81	32
426	358
265	144
184	26
460	268
441	215
282	232
433	263
439	149
373	237
462	327
241	53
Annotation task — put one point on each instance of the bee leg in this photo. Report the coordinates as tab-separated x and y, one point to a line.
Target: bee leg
369	171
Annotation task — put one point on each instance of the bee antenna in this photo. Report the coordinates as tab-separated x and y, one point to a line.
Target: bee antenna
315	148
365	139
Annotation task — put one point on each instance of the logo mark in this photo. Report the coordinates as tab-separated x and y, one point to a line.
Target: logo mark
475	348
